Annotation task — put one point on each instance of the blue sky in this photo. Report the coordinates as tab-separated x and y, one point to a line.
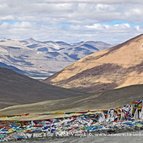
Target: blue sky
112	21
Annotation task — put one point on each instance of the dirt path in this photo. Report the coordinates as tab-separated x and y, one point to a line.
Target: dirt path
119	138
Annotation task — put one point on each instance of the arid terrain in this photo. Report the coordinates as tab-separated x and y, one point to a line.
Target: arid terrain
110	99
106	79
138	137
19	89
71	71
117	67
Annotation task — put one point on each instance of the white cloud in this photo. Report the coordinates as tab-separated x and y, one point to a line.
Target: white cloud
23	25
112	28
98	26
71	19
16	25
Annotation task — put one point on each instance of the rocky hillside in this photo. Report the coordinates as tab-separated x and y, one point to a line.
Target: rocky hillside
108	69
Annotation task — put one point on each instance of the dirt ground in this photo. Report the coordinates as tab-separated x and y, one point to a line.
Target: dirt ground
115	138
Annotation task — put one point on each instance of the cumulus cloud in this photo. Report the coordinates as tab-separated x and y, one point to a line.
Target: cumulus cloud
71	20
118	27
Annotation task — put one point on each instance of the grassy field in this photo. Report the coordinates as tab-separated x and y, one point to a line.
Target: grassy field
16	89
110	99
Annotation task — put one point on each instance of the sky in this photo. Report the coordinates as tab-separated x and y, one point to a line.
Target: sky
112	21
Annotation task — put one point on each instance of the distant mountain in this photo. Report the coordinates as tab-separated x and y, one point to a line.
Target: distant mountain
41	59
2	65
108	69
19	89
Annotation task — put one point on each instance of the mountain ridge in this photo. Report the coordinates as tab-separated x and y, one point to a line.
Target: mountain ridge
36	58
20	89
119	66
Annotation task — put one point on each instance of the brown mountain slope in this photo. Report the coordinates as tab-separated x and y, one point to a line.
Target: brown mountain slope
18	89
110	99
117	67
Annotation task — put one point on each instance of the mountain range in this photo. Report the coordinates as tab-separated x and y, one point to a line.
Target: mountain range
105	79
39	59
112	68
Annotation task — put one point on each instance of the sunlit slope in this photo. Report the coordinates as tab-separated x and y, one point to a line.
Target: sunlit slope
117	67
